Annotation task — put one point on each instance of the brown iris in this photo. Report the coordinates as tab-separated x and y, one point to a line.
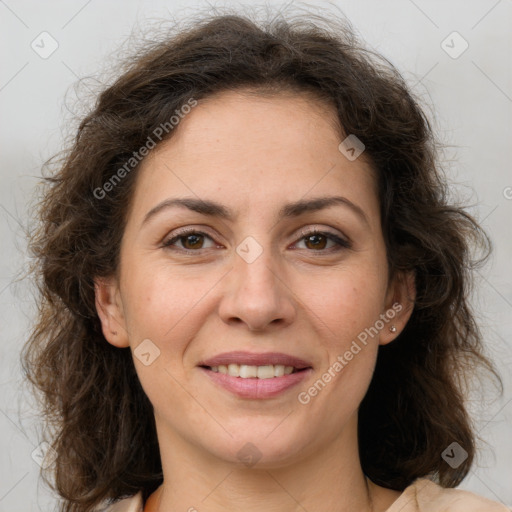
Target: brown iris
316	245
197	239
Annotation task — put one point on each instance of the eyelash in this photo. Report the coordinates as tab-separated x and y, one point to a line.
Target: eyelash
342	244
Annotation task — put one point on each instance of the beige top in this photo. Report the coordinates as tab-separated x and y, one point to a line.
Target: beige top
422	495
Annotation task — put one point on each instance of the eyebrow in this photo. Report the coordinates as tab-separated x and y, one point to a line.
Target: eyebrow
290	210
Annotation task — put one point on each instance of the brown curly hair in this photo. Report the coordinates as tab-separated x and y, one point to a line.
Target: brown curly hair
102	422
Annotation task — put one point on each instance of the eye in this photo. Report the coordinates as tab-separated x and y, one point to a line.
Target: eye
317	240
191	240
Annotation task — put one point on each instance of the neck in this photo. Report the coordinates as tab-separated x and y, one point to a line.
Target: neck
323	479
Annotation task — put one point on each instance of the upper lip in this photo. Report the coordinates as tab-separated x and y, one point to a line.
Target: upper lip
254	359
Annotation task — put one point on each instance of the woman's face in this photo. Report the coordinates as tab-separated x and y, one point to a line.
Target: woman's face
255	281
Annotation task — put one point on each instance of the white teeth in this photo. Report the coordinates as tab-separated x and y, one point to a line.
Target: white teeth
279	370
245	371
263	372
233	370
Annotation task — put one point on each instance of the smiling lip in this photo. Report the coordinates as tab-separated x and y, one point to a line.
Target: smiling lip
255	388
254	359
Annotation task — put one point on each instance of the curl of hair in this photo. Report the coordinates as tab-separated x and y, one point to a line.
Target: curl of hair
105	438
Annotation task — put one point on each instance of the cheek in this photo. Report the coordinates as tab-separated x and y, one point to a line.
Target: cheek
345	303
166	310
156	304
345	311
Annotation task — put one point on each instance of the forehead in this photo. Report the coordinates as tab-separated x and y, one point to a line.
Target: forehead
248	149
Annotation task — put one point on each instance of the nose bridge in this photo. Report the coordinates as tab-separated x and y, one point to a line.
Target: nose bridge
257	294
254	265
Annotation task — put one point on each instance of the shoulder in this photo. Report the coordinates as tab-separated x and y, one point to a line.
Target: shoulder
131	504
424	495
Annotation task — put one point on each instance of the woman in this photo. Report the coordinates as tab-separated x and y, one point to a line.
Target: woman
254	292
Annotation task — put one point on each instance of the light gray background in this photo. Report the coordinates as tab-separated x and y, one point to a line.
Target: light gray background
471	97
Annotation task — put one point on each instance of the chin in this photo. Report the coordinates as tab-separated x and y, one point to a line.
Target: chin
259	448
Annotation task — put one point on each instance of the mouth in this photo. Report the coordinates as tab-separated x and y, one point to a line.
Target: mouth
244	371
251	375
256	382
251	364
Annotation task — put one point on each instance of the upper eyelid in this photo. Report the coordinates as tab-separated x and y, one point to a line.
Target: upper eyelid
328	231
302	233
187	231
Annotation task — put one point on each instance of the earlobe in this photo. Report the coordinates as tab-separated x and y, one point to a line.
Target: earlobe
399	306
110	311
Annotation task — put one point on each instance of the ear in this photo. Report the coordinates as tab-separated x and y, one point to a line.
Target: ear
110	311
399	305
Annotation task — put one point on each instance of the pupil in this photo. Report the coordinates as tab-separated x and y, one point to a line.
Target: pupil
316	244
196	237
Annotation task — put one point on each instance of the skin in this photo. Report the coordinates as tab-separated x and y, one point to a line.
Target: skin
253	154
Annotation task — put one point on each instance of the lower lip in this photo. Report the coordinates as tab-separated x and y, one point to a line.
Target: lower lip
257	388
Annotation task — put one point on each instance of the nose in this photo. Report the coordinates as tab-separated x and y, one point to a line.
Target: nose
257	294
